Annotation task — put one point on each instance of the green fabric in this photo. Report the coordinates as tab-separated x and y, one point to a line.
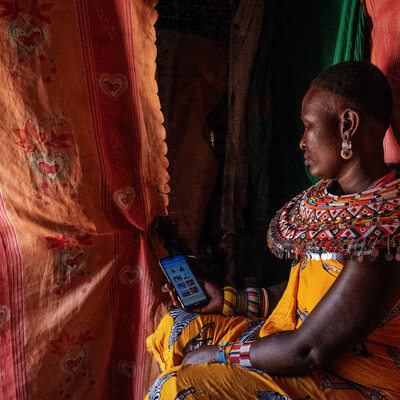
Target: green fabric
350	43
298	40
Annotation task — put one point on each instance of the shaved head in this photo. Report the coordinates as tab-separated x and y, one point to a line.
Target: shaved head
363	85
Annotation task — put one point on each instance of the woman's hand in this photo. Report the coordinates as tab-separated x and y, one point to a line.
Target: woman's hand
213	292
202	355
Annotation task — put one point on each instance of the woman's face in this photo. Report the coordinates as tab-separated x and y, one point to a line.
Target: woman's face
322	141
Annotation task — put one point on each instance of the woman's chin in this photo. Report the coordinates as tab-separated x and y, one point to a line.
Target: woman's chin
317	174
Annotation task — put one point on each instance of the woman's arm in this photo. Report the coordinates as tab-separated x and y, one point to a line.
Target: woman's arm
274	295
360	298
216	296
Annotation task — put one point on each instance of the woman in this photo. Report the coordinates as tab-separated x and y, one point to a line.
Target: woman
335	333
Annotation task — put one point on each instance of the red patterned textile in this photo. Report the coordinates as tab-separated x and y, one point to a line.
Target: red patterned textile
82	177
384	23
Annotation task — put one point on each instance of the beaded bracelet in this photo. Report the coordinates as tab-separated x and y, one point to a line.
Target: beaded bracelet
221	357
240	354
230	296
235	354
241	303
253	302
223	350
257	302
264	305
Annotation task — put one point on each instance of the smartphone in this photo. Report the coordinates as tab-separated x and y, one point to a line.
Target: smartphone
182	279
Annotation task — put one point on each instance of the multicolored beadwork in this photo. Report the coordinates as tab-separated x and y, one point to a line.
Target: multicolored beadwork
239	354
230	296
317	224
253	302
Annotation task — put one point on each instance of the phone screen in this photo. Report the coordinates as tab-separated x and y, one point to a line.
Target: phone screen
181	277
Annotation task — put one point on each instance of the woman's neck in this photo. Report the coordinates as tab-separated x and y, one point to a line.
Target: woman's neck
358	179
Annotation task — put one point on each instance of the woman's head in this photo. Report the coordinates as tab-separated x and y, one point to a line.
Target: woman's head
321	140
350	101
362	84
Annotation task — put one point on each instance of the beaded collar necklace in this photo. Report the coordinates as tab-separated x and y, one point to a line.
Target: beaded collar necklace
318	225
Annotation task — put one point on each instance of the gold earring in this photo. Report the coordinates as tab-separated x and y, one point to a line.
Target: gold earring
346	152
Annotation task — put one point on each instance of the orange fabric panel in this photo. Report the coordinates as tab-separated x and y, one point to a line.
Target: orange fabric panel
82	176
384	23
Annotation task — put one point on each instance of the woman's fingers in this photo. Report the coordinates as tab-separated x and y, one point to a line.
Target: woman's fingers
173	296
213	292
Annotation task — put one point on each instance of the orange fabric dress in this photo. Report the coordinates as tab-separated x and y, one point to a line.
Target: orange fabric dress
371	371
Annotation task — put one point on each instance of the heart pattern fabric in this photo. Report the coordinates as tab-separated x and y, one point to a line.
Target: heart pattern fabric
71	260
74	361
50	167
126	368
113	85
129	275
27	37
4	315
124	197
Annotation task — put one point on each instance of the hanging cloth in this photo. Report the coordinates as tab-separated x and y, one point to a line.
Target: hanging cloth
82	177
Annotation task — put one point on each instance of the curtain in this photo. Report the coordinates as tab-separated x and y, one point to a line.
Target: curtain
82	178
296	41
383	24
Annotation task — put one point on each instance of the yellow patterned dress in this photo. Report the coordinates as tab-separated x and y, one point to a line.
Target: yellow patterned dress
370	371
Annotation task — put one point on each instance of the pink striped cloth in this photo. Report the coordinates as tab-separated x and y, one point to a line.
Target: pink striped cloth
82	177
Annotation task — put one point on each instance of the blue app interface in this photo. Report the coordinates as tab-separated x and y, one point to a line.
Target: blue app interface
184	281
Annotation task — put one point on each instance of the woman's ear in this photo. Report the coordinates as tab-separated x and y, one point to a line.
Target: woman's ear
349	122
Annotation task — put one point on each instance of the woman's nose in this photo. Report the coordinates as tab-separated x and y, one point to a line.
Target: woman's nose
302	143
